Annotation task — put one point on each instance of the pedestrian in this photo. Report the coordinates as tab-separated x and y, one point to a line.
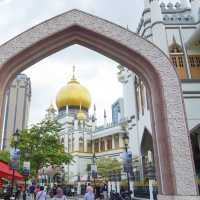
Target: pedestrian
41	195
89	195
31	191
59	195
104	191
18	193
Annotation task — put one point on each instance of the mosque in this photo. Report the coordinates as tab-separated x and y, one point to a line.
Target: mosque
175	29
80	135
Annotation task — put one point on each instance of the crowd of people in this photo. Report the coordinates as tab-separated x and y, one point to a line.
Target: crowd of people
60	193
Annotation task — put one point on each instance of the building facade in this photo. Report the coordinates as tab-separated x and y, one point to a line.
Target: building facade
16	109
81	136
175	29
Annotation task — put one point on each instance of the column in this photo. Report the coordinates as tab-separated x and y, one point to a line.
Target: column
121	142
105	144
113	142
151	189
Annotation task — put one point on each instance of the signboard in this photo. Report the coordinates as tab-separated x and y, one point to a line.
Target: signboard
127	161
94	170
26	168
14	154
14	157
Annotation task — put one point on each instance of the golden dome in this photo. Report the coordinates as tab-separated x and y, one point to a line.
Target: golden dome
81	115
73	94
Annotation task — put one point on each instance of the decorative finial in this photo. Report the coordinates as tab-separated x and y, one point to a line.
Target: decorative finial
80	107
73	76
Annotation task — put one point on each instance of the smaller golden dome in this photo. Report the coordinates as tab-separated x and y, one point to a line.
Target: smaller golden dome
81	115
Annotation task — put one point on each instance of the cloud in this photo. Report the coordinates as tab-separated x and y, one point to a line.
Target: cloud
4	1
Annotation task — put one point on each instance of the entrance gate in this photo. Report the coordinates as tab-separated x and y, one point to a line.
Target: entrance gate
172	148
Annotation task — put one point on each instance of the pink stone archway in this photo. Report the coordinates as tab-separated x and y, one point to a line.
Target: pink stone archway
174	164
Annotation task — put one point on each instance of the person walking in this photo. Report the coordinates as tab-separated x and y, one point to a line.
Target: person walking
31	191
59	195
41	195
89	195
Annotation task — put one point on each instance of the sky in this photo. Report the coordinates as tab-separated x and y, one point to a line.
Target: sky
94	71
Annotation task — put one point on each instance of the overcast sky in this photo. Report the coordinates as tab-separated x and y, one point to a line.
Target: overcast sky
93	70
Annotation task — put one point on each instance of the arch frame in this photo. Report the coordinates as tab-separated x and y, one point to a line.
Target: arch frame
175	172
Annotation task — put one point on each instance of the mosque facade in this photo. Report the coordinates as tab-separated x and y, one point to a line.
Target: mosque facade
81	136
175	29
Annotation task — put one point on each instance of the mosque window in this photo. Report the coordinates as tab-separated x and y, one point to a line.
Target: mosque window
194	61
102	145
116	141
177	57
109	143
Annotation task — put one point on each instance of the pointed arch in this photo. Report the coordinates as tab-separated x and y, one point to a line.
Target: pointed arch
175	172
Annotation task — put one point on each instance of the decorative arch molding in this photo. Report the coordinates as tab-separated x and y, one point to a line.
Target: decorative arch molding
172	150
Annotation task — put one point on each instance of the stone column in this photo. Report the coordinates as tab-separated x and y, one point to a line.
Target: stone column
113	142
121	142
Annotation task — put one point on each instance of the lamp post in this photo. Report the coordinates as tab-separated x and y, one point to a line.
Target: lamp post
126	142
26	171
14	159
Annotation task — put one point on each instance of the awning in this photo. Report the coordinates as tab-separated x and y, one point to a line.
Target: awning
7	173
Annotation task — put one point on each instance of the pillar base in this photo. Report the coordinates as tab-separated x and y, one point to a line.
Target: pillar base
174	197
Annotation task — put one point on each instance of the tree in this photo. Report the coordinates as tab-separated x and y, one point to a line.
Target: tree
41	145
5	156
107	165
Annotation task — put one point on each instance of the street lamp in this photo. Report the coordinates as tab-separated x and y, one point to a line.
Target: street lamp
26	171
14	159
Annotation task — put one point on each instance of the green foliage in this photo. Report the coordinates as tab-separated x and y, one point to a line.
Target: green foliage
5	156
107	165
41	145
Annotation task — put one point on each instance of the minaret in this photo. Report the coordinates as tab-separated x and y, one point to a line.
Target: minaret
105	119
51	113
158	30
195	7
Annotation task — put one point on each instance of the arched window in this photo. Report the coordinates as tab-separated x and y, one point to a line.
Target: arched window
177	57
